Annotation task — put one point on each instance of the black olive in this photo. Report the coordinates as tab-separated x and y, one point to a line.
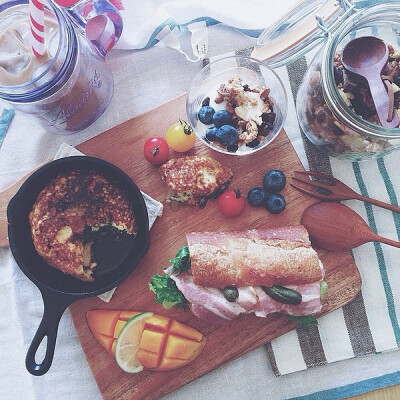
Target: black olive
231	293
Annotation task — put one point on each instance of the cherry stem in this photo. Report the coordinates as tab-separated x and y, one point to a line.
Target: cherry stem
238	194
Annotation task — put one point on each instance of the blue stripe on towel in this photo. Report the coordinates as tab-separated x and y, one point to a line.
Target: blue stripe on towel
379	255
391	192
5	121
353	388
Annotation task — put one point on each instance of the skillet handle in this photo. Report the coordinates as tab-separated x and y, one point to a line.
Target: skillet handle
54	307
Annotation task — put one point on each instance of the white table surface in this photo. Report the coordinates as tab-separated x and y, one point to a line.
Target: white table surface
143	80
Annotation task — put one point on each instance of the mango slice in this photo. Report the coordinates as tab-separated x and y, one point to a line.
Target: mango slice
165	344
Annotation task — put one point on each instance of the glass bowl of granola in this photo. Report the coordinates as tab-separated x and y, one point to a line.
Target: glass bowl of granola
236	105
334	106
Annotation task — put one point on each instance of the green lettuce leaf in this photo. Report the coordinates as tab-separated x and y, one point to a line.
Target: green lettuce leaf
181	262
167	292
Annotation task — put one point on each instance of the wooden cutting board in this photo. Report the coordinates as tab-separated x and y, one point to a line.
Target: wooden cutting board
123	146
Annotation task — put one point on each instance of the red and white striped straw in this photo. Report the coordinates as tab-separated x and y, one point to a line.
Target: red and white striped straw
36	10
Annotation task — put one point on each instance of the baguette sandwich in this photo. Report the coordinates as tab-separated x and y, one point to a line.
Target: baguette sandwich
221	275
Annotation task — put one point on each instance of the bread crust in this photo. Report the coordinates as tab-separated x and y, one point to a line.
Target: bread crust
267	257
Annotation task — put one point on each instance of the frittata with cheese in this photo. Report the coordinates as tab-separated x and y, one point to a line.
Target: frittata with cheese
68	212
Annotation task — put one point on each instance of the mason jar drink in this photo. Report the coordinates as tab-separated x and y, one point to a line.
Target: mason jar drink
69	87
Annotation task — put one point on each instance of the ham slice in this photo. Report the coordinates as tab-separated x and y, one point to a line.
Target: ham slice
210	298
311	302
248	260
209	304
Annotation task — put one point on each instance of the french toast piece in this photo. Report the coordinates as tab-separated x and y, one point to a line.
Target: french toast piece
194	179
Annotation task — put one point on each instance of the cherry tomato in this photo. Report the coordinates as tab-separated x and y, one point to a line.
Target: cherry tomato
156	150
231	203
180	137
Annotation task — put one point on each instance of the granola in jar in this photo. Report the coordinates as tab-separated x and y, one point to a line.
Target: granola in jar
355	92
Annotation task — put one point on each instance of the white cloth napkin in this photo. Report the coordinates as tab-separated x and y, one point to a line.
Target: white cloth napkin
154	207
148	23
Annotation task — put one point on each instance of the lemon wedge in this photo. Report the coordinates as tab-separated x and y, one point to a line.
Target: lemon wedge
128	341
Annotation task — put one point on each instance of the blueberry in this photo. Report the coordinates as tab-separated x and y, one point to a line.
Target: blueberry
275	203
205	115
397	80
211	134
221	117
274	181
257	196
227	135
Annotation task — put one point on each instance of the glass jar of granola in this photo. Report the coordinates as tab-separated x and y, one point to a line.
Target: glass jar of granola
334	106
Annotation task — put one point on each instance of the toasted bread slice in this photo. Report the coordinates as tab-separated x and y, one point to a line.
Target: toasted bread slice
194	179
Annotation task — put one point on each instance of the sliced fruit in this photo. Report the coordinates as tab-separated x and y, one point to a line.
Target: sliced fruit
128	342
168	344
106	325
156	342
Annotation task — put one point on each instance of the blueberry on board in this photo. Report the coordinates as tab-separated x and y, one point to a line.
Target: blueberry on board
227	135
221	117
256	196
211	134
205	115
274	181
275	203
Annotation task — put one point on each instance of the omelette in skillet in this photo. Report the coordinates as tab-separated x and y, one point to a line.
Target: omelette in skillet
71	213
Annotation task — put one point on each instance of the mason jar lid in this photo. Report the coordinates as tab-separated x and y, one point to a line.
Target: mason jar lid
299	30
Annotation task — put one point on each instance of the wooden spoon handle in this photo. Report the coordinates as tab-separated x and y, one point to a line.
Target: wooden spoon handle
379	203
381	101
390	242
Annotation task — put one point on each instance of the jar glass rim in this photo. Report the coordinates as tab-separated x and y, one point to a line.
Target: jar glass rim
297	31
331	93
23	88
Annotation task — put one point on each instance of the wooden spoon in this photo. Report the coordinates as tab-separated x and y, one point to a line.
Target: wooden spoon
334	226
366	56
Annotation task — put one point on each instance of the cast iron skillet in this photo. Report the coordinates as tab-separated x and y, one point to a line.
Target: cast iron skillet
60	290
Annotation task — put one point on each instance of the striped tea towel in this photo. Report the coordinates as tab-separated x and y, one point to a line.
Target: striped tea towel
5	121
370	323
154	207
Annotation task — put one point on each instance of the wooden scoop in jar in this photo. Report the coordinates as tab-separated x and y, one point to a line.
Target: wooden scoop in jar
366	56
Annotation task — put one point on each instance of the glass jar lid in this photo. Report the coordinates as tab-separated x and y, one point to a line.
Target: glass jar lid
299	30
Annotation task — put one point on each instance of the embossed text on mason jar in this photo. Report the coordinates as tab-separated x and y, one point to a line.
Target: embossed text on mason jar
68	111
